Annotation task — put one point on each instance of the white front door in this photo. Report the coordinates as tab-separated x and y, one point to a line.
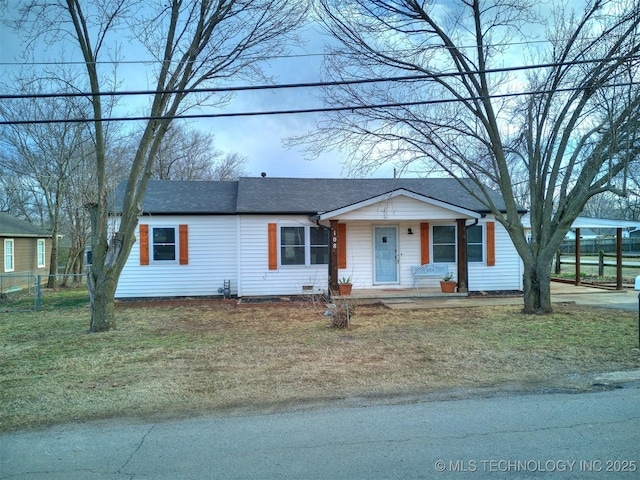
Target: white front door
385	254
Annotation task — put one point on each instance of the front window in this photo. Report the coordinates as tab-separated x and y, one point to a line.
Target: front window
41	253
292	241
319	245
8	255
444	244
304	246
474	244
164	243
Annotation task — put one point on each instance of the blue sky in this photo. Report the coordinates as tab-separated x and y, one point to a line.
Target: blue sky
257	138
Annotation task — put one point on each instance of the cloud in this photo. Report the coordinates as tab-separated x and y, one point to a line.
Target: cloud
258	138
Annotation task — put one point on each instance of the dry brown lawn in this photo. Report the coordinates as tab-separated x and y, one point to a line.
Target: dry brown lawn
173	360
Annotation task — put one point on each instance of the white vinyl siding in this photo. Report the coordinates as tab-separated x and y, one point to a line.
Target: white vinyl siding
213	257
256	278
360	255
507	272
399	209
236	248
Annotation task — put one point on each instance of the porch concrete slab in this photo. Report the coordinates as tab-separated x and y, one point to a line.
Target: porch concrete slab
460	302
560	293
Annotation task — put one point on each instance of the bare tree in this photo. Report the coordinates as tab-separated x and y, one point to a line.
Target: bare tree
15	197
43	156
52	162
569	124
230	167
189	154
194	44
630	203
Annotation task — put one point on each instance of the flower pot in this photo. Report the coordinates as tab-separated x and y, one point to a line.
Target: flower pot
344	288
448	286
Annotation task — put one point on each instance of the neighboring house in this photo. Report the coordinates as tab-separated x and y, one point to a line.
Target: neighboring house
288	236
25	248
585	234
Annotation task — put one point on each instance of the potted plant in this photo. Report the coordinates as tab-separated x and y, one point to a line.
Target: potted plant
345	286
447	285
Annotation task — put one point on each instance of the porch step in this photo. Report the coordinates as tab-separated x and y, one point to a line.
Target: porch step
397	301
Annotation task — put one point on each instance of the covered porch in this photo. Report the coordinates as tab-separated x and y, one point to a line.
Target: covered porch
377	244
394	250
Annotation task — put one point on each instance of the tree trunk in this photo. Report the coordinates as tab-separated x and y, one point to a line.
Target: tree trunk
537	287
53	259
102	292
109	258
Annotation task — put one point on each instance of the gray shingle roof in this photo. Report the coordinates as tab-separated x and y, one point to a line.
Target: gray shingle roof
184	197
317	195
14	227
293	195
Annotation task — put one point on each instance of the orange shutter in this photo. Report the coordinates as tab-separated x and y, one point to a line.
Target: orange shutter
424	244
273	246
342	245
144	244
491	244
184	244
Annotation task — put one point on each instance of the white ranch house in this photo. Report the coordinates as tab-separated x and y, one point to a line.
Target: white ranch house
290	236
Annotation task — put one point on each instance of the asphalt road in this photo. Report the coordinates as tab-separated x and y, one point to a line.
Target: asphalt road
587	435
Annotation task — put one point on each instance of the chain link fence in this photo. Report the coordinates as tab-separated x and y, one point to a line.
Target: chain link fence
26	291
18	292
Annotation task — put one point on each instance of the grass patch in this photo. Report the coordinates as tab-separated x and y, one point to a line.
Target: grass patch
62	297
188	359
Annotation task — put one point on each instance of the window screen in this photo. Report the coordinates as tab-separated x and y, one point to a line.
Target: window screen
164	243
444	244
474	243
319	248
292	245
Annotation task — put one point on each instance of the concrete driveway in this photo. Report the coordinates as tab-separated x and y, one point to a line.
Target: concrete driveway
597	297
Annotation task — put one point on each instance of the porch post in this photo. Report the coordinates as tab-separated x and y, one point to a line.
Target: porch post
333	260
619	258
463	273
578	279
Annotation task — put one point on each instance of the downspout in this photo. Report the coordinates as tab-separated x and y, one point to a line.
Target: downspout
316	219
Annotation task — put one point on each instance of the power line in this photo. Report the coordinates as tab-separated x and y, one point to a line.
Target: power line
241	88
352	108
309	84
